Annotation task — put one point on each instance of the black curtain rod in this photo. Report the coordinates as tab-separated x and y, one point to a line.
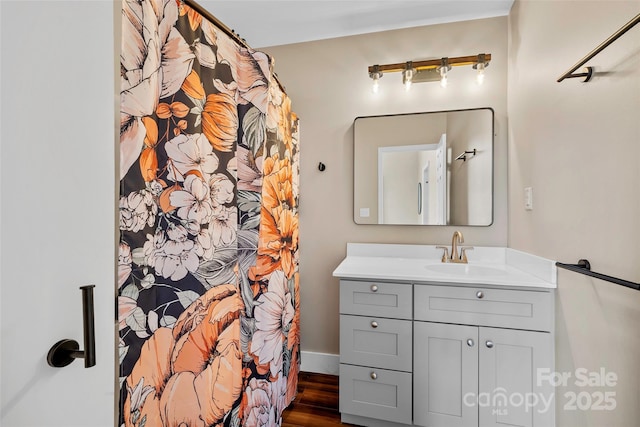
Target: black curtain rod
228	31
584	267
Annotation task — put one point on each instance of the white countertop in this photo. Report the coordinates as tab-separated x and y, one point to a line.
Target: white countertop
422	264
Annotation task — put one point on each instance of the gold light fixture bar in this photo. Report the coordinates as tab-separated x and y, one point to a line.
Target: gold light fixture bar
428	64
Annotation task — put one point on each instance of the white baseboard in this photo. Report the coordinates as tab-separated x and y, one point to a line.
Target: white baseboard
320	363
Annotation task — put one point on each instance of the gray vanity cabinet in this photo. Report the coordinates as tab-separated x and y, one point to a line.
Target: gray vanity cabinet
443	355
470	374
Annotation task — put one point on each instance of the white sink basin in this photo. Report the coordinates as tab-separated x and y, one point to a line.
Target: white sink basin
465	269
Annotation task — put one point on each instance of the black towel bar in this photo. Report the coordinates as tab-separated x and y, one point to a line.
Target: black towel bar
589	70
584	267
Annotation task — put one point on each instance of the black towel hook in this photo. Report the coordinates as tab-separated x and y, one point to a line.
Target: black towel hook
321	167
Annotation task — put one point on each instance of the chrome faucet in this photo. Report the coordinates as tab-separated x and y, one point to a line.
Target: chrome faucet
455	256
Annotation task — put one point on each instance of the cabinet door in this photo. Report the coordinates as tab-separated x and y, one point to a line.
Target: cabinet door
511	393
445	379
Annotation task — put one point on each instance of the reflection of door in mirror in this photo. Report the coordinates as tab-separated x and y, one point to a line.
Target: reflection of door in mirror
423	203
399	168
441	202
406	172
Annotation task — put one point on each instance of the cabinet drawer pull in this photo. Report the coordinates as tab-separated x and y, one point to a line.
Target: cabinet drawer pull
470	342
374	324
489	344
374	375
480	294
374	288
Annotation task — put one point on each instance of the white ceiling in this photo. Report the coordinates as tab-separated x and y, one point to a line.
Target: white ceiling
269	23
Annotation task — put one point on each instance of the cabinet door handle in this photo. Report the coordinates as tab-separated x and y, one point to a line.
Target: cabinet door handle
470	342
489	344
374	288
374	375
480	294
374	324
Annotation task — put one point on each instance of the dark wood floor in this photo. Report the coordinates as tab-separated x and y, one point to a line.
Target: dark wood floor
316	404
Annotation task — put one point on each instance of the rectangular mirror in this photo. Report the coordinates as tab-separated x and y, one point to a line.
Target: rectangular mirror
432	168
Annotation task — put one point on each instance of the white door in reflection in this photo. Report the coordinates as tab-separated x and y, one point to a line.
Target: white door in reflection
411	190
423	188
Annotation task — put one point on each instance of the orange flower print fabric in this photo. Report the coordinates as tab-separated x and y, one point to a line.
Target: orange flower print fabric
274	314
191	374
208	283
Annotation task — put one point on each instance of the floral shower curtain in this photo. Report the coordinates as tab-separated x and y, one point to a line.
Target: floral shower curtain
208	289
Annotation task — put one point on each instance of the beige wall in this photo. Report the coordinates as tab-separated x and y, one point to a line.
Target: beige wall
578	145
470	181
329	87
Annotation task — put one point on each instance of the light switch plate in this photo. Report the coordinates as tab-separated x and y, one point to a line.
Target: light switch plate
528	198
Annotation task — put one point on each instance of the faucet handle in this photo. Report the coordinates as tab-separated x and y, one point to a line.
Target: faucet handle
445	254
463	253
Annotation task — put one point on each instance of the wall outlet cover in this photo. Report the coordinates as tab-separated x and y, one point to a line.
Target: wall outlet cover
528	198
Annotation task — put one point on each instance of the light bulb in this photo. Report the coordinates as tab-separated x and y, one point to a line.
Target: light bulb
443	76
375	75
480	75
407	76
376	84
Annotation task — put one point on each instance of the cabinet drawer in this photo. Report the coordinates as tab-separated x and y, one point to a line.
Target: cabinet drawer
369	298
377	342
375	393
481	306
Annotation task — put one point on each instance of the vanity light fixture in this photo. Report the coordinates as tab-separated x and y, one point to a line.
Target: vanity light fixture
429	70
